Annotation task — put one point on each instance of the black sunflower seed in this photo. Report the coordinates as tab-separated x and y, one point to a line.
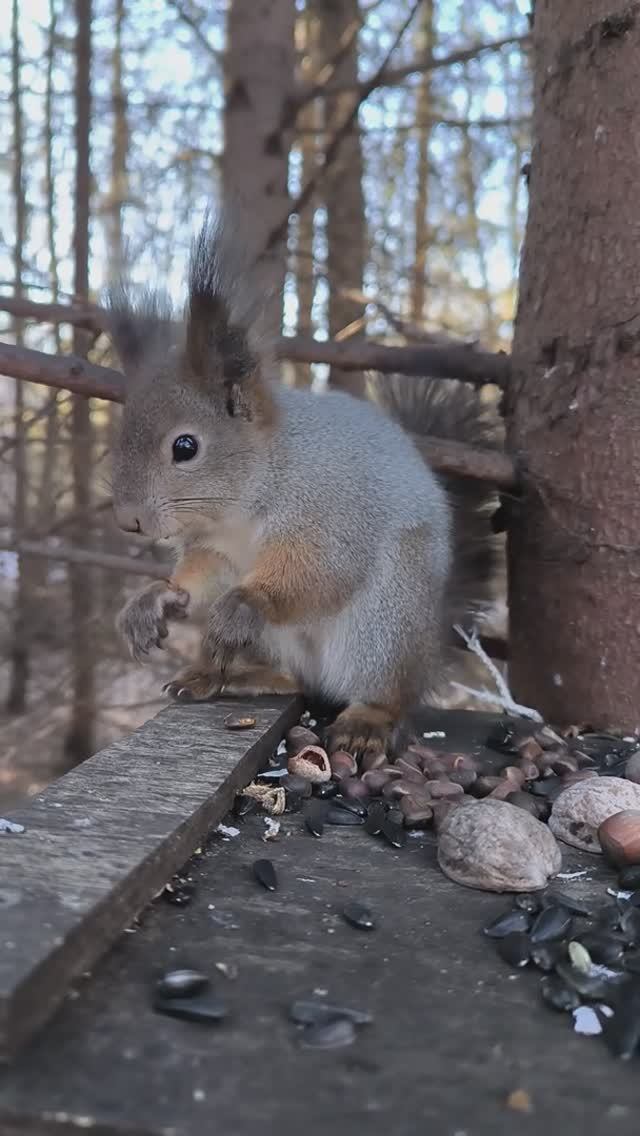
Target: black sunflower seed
325	790
307	1012
244	805
265	874
629	877
592	986
557	994
394	832
515	949
339	816
329	1035
569	902
551	924
375	818
315	813
605	949
621	1033
358	916
630	926
632	962
207	1010
181	983
528	902
507	923
351	806
546	956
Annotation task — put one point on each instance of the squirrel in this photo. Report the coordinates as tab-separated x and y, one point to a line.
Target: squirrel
324	554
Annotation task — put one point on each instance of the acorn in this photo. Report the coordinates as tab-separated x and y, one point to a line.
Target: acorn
343	764
619	837
312	763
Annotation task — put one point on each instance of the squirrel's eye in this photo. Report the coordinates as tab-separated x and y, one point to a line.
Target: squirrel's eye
185	448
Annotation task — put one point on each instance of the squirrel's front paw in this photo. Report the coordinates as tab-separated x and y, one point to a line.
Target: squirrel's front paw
143	620
234	623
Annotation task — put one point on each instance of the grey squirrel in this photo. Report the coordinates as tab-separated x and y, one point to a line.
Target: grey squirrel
322	551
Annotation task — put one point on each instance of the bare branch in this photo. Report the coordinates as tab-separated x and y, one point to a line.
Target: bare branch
188	19
451	362
71	555
65	372
279	231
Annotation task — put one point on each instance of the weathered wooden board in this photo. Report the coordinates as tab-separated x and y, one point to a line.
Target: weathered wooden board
454	1031
101	841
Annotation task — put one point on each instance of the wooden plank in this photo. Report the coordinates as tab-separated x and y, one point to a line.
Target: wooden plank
101	841
455	1030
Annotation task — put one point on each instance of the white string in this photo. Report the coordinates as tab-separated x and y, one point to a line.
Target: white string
504	697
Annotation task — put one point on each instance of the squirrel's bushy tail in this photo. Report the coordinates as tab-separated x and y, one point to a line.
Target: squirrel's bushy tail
454	411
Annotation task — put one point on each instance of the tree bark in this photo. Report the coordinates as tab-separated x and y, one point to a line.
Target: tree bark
342	188
259	77
79	740
573	401
424	117
19	677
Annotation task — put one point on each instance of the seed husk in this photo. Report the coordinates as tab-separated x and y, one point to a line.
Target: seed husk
358	916
579	956
553	922
515	949
179	893
265	874
207	1010
181	983
507	923
329	1035
232	722
308	1012
557	994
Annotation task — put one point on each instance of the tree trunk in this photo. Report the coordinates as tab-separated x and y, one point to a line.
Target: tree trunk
574	401
17	695
342	187
309	126
79	742
259	76
424	111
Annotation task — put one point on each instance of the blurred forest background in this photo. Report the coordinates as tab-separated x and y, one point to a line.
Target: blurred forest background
379	146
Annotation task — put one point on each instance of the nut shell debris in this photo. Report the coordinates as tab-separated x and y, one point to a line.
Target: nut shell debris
493	846
312	763
580	810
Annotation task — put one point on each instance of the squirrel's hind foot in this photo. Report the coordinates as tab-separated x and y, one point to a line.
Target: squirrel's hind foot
362	729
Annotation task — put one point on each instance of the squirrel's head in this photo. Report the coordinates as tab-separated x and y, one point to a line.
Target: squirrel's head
198	410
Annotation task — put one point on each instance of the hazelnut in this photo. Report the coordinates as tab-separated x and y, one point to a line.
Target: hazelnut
299	737
619	837
312	763
343	764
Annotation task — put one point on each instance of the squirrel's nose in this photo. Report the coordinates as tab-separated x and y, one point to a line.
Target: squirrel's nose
127	519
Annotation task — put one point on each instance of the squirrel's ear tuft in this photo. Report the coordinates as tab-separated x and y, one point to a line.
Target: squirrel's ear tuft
222	315
138	328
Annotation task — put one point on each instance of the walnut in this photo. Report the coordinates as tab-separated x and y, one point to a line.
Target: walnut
494	846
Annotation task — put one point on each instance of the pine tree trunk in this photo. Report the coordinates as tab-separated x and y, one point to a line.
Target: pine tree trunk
18	681
574	401
259	76
342	189
79	742
424	111
309	126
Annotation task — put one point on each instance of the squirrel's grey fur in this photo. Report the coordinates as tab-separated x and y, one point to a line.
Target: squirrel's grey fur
390	554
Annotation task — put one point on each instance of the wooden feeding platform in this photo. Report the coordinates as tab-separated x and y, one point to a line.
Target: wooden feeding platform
454	1031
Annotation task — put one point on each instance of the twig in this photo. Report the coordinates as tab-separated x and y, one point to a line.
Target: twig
503	696
72	555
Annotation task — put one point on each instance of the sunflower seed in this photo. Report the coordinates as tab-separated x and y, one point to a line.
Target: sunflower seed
265	874
515	949
206	1010
306	1012
329	1035
359	916
552	923
181	983
507	923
